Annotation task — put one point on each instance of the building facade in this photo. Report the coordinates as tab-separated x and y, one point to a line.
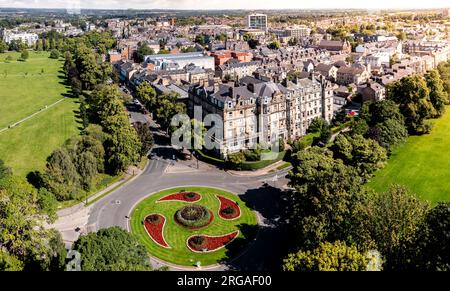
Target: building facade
262	112
257	21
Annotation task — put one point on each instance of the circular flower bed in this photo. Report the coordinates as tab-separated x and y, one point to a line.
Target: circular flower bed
156	221
182	196
194	216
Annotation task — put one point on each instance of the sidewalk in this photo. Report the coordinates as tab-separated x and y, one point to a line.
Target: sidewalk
261	172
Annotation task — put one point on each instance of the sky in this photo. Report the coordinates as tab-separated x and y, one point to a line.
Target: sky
226	4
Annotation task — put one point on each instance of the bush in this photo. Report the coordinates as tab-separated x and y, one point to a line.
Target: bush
54	54
153	218
251	166
193	216
228	210
209	159
198	242
427	127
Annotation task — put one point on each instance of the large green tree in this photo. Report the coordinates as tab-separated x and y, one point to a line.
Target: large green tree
147	95
326	198
413	97
61	176
365	155
434	239
393	219
112	249
327	256
438	96
24	242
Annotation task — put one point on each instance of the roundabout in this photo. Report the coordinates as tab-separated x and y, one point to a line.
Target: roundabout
193	226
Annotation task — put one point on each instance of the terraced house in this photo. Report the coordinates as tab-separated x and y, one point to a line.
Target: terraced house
261	112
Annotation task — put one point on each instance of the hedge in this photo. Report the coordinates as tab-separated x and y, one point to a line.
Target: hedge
244	166
251	166
208	159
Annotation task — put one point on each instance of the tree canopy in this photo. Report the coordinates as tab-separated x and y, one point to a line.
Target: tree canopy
112	249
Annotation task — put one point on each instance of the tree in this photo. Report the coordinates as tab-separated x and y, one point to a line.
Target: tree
253	43
317	124
200	39
146	137
388	133
111	249
293	41
365	155
61	177
143	50
274	45
379	112
87	168
359	126
327	195
324	136
147	95
168	107
413	97
444	72
438	96
47	203
236	158
327	256
434	239
393	219
54	54
24	243
401	35
3	46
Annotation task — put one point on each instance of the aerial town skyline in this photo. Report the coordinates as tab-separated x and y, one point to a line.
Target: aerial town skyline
217	4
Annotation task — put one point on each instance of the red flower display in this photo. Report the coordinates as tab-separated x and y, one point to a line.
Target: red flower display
205	243
182	196
154	225
228	208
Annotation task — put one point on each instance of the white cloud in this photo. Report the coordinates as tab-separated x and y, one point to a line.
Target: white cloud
228	4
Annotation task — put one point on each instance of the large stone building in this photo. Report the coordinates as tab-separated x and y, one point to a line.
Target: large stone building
262	112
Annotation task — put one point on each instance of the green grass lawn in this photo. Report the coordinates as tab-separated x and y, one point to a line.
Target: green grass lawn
176	235
24	89
422	164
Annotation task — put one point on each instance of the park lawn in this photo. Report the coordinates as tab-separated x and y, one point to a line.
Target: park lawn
26	87
26	147
176	235
422	164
